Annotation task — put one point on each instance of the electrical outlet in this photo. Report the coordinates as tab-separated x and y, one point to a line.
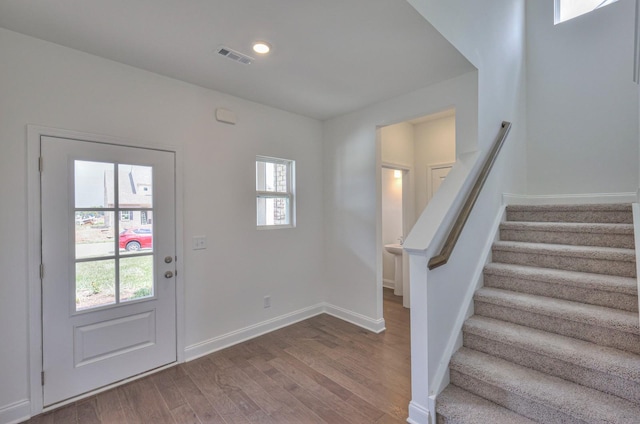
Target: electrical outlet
267	302
199	242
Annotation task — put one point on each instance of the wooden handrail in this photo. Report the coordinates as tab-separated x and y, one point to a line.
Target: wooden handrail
463	214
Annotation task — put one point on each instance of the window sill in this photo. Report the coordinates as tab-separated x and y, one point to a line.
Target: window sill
274	227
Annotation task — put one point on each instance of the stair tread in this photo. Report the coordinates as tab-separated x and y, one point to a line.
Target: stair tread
577	401
461	406
611	283
601	316
575	227
600	207
591	252
608	360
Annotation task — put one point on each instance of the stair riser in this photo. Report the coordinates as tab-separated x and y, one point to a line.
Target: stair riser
536	411
457	406
604	382
444	420
587	295
624	241
622	268
603	217
583	331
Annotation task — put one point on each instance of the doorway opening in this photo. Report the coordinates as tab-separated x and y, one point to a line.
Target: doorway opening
415	157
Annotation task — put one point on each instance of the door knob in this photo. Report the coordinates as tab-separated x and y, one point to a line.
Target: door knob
168	274
168	259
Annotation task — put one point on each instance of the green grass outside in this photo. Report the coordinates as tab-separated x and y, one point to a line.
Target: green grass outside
95	280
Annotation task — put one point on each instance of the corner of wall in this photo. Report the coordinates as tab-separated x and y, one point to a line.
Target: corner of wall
374	325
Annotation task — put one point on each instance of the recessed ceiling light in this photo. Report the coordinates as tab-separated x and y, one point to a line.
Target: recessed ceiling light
261	47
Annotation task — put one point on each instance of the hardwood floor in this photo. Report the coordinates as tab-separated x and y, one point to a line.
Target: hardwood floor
322	370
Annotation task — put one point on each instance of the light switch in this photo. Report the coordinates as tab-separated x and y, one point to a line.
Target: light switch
199	242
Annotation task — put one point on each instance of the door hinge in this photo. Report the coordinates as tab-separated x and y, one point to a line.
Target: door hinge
40	164
42	271
42	378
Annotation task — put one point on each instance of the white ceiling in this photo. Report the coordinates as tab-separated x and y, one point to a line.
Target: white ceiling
329	57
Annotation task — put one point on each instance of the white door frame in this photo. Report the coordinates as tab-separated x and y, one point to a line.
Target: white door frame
34	132
408	221
430	169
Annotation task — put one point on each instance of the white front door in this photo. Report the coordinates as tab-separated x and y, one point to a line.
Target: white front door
108	255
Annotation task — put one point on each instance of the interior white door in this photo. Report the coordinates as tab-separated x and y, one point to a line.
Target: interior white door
437	174
108	252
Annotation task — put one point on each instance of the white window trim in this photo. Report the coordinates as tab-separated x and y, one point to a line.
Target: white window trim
289	194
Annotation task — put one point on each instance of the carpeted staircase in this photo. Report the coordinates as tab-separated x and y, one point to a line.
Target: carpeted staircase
555	337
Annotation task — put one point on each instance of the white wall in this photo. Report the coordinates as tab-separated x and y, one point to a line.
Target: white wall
49	85
398	144
491	35
397	148
435	143
391	220
582	103
352	174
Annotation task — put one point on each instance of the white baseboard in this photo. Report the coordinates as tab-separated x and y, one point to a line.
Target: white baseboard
16	412
243	334
390	284
568	199
418	414
373	325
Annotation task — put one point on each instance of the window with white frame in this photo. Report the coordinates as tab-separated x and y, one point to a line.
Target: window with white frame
275	203
569	9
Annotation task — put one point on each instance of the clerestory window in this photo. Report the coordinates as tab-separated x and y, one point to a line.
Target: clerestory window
569	9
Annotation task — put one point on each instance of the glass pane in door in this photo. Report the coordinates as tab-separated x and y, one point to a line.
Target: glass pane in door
95	284
136	277
95	234
135	186
93	184
136	231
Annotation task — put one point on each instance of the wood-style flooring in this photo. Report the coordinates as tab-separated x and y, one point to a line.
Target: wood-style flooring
322	370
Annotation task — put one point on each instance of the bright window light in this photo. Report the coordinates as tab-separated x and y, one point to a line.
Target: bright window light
275	203
569	9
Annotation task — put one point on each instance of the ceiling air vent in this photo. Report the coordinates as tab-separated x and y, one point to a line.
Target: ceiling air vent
234	55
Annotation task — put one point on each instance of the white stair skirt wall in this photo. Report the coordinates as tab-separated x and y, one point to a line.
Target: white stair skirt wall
436	328
636	230
441	375
431	226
